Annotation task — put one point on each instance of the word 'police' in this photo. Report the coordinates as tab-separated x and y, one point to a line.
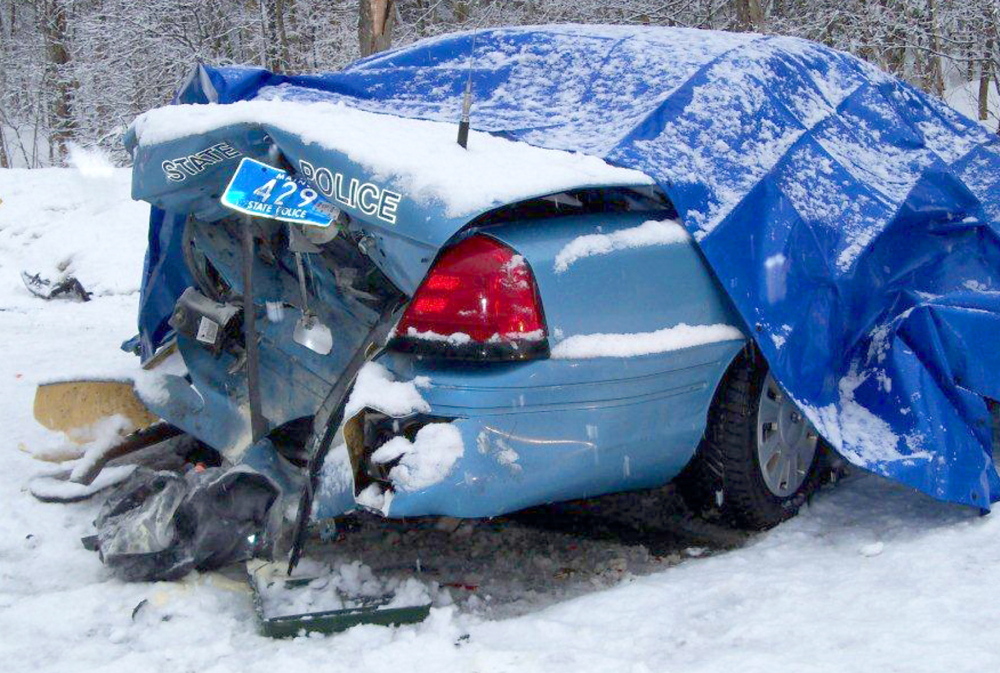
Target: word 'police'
364	196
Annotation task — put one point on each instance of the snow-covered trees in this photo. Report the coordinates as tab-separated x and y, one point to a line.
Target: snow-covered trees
77	71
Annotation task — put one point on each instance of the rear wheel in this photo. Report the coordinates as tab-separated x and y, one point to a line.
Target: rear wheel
760	458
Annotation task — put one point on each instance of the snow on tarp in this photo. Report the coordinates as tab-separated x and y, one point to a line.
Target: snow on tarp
853	220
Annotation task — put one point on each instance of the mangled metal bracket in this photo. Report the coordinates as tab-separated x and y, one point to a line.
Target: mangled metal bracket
310	331
68	287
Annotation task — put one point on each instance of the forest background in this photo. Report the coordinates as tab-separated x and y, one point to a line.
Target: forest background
75	73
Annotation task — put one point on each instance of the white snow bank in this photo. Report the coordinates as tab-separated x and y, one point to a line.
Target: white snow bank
57	222
426	460
375	388
665	232
422	155
644	343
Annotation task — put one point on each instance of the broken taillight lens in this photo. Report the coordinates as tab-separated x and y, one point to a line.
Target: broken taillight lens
479	301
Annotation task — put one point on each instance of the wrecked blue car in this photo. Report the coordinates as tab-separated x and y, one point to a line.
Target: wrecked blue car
658	251
529	355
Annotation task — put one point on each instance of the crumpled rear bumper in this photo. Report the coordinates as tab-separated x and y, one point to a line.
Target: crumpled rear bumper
536	432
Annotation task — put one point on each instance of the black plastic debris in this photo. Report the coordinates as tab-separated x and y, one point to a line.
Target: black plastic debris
160	525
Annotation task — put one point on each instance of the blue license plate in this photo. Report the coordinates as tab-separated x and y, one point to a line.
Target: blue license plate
260	190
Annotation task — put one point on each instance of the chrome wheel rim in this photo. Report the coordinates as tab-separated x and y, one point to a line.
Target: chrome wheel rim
786	441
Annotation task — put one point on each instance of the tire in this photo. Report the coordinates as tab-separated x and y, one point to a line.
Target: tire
752	423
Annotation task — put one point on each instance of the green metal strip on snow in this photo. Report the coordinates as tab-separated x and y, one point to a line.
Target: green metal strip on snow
332	621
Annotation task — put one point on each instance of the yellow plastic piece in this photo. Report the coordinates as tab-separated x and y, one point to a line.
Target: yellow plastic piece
74	407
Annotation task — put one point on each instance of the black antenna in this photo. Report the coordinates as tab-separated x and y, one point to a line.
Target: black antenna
463	122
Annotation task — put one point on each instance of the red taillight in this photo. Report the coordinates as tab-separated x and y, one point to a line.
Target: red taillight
479	300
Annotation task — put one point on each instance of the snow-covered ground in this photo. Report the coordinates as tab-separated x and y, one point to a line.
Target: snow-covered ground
870	577
964	97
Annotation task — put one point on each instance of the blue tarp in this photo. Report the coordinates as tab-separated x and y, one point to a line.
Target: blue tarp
853	220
